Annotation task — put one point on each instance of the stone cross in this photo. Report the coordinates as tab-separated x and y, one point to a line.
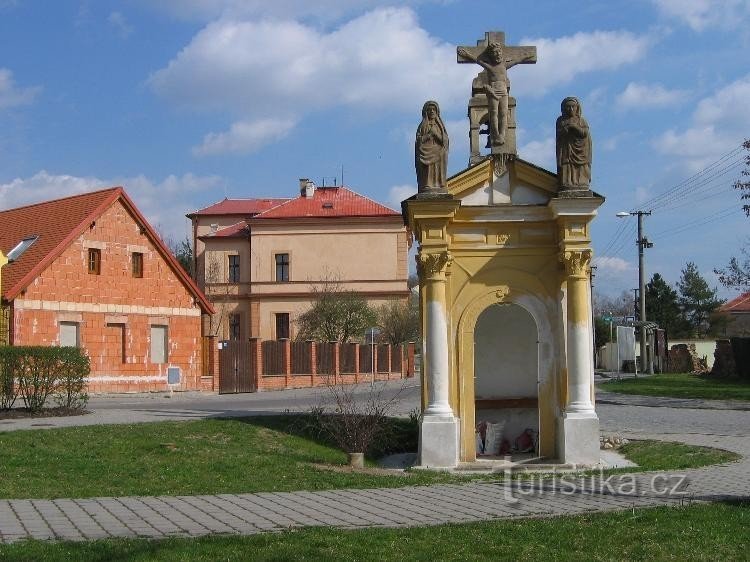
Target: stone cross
496	84
518	55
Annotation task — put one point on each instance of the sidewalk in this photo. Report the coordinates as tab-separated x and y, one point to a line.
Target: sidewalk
245	514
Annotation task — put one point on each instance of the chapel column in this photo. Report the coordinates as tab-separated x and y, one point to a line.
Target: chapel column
579	334
428	216
431	268
578	424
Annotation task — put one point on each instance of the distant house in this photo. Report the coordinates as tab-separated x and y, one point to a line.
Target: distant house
90	271
258	260
738	310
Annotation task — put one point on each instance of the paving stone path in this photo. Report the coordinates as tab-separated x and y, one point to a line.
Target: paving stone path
244	514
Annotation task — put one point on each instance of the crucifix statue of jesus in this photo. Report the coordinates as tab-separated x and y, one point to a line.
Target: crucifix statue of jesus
496	58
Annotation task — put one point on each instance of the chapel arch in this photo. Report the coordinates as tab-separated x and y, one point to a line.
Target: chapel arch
506	376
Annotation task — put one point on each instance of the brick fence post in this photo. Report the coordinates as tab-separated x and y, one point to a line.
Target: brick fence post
256	351
390	361
287	361
313	350
336	362
212	369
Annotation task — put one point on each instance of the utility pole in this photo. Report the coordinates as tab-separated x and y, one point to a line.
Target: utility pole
642	243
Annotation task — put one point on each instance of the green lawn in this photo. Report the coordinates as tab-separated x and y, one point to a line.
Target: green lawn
682	385
224	456
699	532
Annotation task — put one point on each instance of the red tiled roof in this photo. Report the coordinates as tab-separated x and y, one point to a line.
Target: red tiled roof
57	224
329	202
738	304
239	207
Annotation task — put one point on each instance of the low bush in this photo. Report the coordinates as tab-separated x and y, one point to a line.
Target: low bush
36	373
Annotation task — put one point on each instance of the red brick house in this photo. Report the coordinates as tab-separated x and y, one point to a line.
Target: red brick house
90	271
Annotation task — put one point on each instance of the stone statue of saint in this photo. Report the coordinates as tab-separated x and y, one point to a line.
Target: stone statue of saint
431	150
573	147
497	89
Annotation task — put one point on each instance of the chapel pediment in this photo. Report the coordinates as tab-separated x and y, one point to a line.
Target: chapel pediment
518	183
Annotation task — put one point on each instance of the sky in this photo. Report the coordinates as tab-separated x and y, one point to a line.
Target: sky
185	102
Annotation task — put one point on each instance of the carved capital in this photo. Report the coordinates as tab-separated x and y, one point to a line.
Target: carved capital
576	262
430	265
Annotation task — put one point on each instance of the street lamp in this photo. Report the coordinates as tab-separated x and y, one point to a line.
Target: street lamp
642	242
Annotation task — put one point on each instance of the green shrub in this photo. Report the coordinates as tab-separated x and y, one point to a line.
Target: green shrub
70	391
36	372
8	390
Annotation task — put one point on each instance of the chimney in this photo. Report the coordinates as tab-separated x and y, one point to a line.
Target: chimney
306	187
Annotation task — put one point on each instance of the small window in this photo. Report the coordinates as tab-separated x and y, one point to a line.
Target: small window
95	261
234	326
70	334
159	344
282	325
137	260
21	247
282	267
234	269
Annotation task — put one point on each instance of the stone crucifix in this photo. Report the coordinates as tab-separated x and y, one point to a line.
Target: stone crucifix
496	58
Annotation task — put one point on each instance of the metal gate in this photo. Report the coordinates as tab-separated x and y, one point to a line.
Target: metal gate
236	368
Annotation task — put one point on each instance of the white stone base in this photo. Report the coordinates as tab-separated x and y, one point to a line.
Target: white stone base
438	442
578	439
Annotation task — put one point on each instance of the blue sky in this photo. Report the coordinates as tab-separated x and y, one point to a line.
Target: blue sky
184	102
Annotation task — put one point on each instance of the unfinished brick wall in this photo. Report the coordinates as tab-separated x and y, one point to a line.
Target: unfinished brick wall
113	305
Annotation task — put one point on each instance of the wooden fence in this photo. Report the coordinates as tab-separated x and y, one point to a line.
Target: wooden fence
256	365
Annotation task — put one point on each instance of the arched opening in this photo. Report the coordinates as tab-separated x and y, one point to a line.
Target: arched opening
506	373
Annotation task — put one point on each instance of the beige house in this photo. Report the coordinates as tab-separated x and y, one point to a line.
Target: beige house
259	260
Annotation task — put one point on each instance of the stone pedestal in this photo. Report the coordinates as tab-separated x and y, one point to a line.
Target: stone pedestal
438	441
578	439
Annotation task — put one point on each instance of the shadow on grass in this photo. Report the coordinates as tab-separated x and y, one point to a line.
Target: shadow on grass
397	435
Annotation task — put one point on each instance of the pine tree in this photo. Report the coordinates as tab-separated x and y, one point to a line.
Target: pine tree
663	307
696	299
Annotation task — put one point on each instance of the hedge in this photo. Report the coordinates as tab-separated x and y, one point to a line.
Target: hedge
37	373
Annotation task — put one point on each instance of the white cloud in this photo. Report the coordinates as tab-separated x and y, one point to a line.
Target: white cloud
639	95
704	14
398	193
118	21
610	265
382	59
245	136
541	153
11	95
163	202
720	122
561	60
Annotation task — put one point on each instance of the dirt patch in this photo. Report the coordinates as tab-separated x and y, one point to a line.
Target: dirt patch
21	413
372	471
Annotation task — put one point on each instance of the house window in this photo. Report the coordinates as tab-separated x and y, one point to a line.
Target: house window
234	326
137	264
70	335
282	267
234	269
159	344
282	325
95	261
